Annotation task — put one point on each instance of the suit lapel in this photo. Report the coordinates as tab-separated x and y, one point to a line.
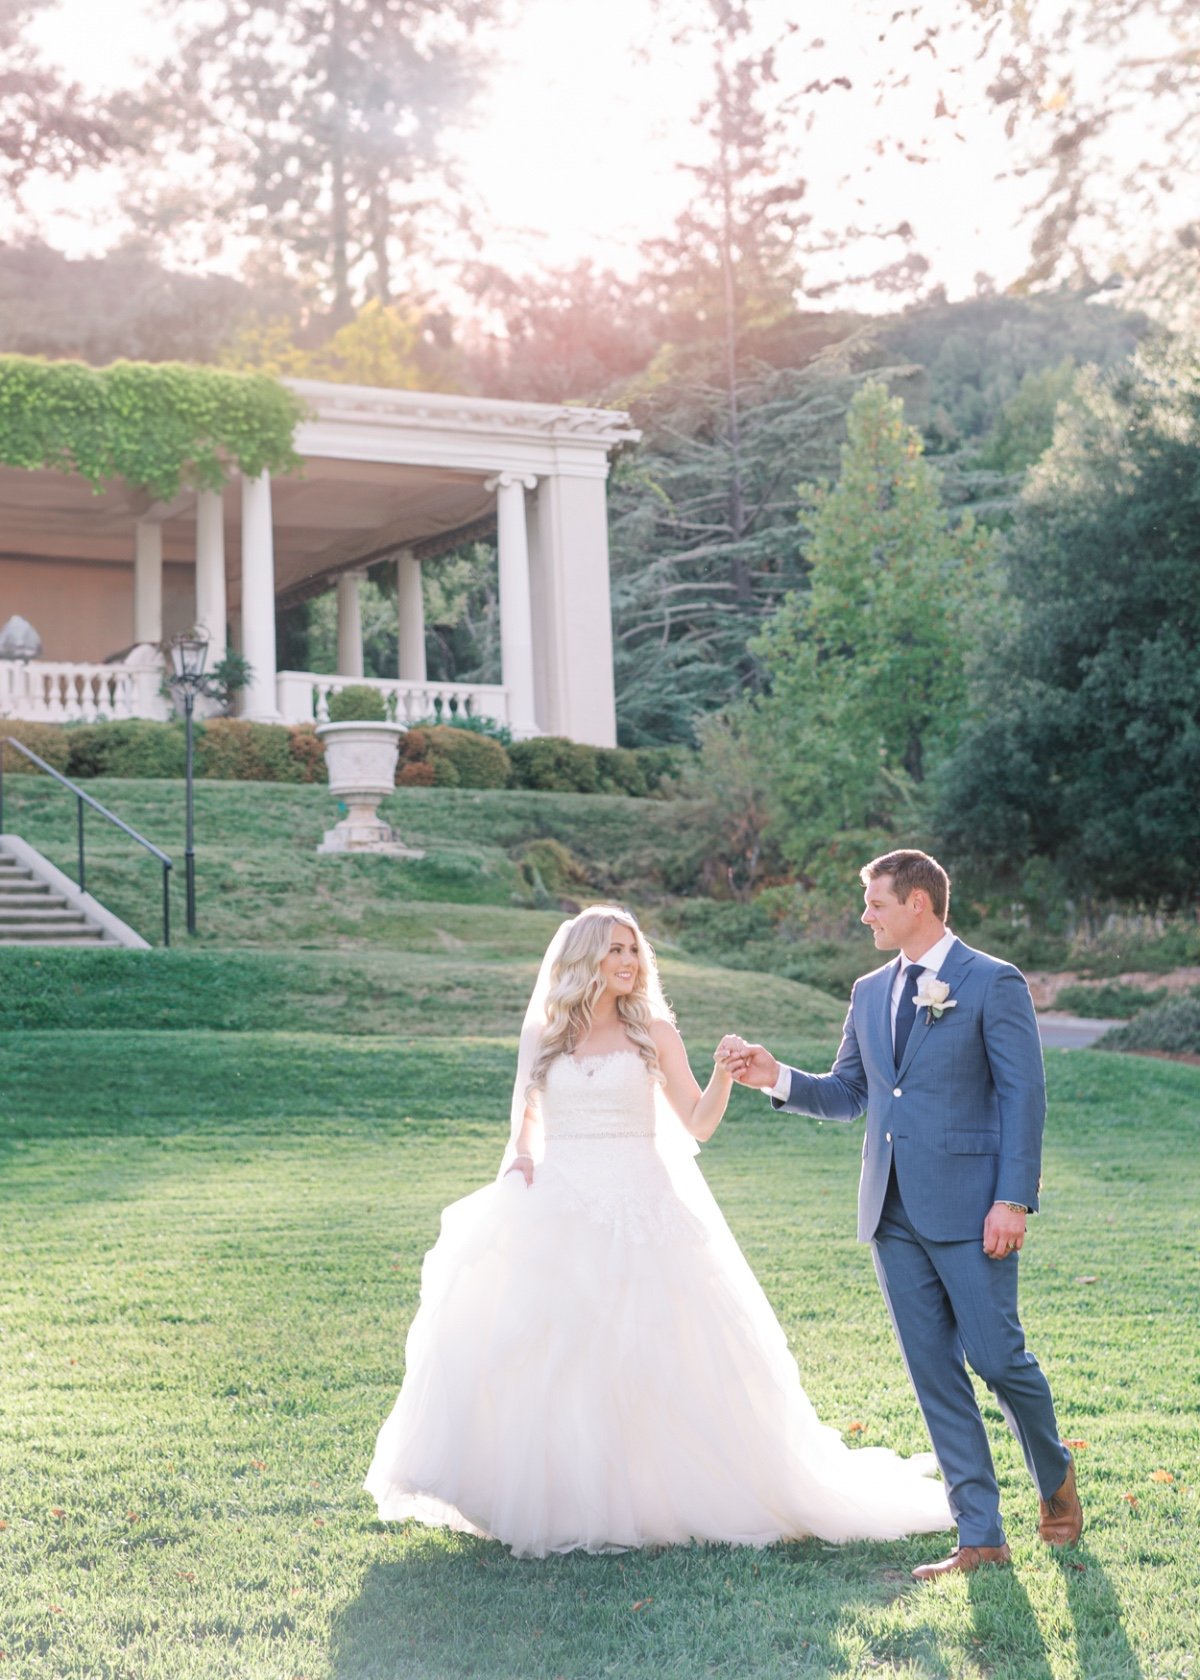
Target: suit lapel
883	1013
951	970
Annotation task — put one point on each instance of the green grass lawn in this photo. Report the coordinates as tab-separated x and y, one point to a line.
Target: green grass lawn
212	1244
220	1167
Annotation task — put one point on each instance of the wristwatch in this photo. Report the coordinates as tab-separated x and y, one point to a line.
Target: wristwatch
1017	1207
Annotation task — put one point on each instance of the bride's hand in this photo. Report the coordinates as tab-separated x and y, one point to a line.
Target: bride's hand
729	1055
523	1165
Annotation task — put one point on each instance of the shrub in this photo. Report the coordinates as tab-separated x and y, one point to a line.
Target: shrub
48	740
416	773
1111	999
305	749
479	760
1173	1026
553	764
551	870
128	747
621	771
237	750
357	704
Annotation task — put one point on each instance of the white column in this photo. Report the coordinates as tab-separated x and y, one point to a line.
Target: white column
573	609
349	625
210	571
516	618
147	583
258	599
410	619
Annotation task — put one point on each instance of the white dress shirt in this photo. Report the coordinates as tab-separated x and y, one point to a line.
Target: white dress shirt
931	961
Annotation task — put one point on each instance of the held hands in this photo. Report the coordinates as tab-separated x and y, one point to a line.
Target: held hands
748	1064
1003	1231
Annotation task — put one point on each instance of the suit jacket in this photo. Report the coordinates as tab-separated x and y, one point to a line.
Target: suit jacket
963	1115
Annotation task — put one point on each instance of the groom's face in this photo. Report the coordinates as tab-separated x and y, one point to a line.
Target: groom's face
888	919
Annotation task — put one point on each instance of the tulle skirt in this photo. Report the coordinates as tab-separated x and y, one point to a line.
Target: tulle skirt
577	1379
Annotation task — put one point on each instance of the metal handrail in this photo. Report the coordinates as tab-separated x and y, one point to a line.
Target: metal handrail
83	799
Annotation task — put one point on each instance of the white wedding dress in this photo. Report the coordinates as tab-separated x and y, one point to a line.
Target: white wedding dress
593	1363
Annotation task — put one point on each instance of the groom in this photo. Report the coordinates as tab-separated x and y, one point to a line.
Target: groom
941	1049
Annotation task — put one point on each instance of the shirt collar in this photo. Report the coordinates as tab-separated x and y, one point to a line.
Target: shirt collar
933	959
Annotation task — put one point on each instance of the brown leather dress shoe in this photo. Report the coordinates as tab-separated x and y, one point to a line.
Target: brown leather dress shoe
962	1561
1060	1518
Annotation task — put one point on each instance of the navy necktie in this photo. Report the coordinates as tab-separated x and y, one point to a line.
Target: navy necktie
906	1012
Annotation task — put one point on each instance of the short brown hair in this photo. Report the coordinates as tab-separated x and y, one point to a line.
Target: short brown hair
910	869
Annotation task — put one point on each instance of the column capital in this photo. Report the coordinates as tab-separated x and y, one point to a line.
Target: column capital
509	481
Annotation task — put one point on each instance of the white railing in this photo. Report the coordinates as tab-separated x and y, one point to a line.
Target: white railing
74	691
303	697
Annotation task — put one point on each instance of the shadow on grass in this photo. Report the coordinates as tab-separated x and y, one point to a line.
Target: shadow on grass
1100	1641
1005	1621
453	1606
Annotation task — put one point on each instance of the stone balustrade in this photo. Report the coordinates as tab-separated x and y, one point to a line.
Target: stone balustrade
303	697
73	691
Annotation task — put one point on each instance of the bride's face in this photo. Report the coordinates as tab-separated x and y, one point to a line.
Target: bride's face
621	964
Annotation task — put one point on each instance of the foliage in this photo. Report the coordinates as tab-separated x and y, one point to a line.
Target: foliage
968	360
1069	130
237	750
128	747
47	740
357	703
1083	748
228	677
441	755
555	764
478	761
1172	1026
122	304
48	126
680	620
865	671
1113	998
322	130
159	426
385	344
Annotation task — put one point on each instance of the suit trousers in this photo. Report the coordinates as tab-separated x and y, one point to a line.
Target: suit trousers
951	1305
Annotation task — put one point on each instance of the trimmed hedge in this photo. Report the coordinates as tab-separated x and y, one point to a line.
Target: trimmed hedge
357	704
442	756
434	755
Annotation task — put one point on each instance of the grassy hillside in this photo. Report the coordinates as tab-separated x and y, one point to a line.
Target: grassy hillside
298	942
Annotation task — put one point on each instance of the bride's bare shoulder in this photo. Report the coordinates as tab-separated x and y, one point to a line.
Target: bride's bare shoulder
666	1036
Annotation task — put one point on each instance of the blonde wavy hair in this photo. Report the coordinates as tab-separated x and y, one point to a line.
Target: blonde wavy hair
576	986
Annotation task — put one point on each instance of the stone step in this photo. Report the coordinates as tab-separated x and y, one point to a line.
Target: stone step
24	881
39	916
86	938
10	900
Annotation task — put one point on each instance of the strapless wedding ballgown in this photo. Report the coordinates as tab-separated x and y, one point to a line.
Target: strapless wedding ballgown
593	1363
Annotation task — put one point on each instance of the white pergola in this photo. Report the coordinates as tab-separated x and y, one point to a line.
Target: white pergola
395	477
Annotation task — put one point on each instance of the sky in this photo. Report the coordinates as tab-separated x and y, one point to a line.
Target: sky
576	143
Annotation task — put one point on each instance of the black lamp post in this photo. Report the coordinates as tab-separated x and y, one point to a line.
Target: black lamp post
188	653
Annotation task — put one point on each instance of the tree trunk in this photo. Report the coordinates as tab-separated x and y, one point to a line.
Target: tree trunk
343	308
737	511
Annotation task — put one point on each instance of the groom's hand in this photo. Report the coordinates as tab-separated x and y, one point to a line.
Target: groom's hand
750	1064
1003	1231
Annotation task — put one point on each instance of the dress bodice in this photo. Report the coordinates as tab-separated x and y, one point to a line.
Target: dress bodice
602	1158
602	1098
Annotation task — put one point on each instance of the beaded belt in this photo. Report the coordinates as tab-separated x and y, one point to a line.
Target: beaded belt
587	1137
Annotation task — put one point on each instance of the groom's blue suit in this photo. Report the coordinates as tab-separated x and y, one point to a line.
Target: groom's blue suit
954	1128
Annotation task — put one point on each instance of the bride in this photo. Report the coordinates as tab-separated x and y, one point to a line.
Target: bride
593	1363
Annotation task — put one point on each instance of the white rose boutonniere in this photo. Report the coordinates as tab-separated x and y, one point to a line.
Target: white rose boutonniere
934	997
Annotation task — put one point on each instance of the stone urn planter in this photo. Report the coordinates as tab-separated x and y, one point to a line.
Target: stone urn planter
361	760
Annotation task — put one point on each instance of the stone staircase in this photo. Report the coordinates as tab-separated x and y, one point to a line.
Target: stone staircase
32	913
